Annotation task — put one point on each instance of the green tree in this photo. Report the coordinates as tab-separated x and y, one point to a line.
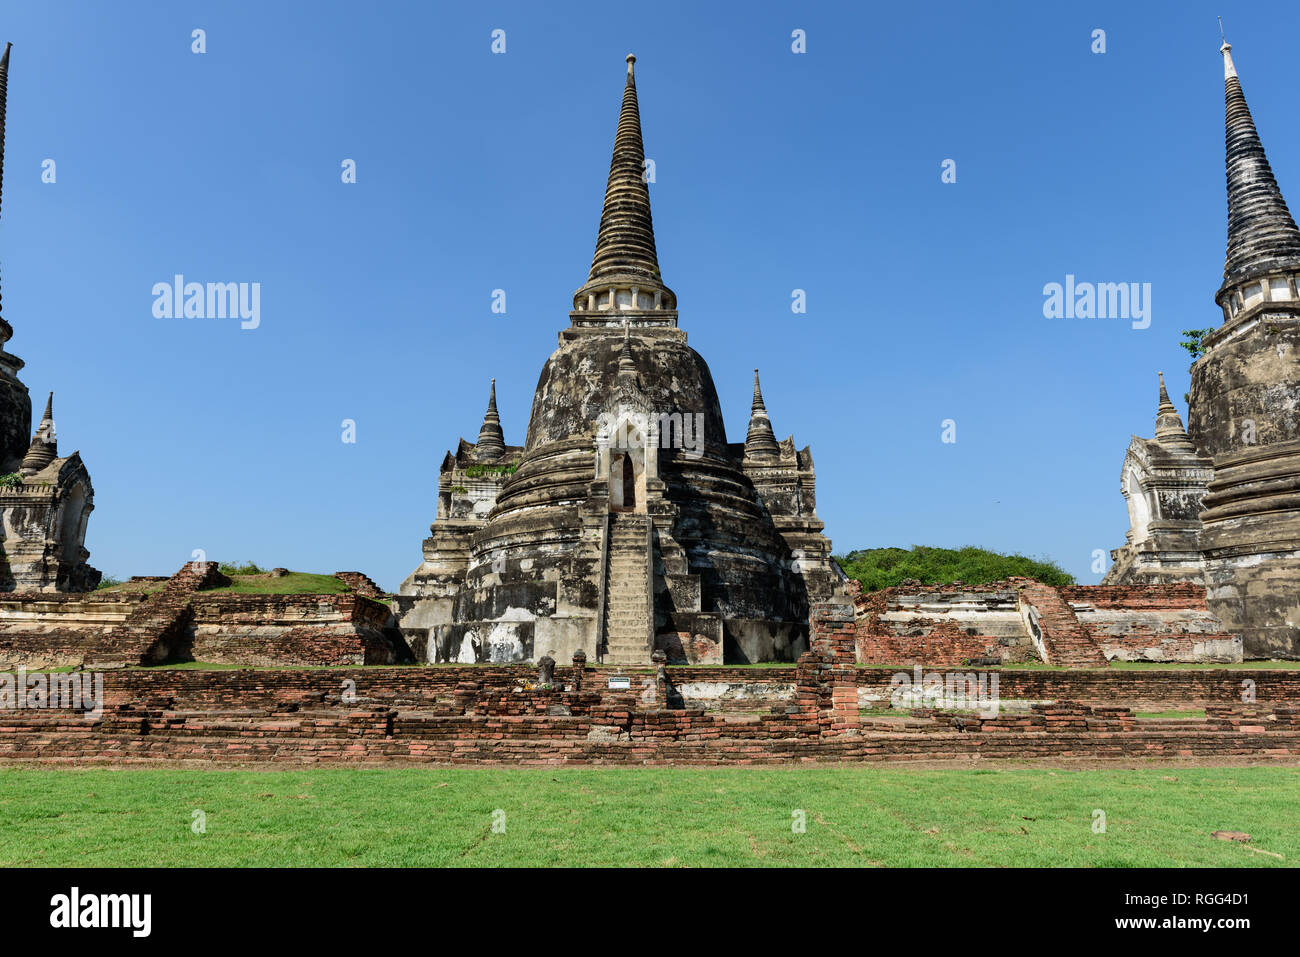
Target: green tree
878	568
1193	342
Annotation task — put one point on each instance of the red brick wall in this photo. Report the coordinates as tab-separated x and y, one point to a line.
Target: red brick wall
945	645
290	630
484	714
184	621
1178	595
418	686
618	733
359	583
826	680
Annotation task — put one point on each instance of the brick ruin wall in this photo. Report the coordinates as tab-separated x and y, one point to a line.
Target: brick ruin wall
1177	595
43	630
183	620
942	626
1080	625
269	630
718	689
814	712
361	584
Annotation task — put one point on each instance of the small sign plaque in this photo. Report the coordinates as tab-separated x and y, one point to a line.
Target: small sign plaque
620	683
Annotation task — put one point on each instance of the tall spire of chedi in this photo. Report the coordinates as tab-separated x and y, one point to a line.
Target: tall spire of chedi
624	276
1262	236
15	403
4	97
6	330
491	440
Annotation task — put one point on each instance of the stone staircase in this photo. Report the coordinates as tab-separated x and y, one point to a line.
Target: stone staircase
156	629
627	591
1065	641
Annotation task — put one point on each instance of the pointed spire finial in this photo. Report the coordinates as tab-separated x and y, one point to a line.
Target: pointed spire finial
491	440
45	447
760	441
1229	70
631	61
1169	424
625	361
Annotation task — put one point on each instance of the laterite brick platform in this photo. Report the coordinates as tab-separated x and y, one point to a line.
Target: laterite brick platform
512	715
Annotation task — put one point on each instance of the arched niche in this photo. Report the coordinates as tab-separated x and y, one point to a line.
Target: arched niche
627	464
1140	510
72	522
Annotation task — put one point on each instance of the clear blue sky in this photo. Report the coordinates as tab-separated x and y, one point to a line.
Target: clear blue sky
476	171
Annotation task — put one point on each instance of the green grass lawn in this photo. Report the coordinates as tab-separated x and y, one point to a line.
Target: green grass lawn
294	583
687	817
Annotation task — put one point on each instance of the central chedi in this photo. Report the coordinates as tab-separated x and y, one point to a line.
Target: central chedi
626	523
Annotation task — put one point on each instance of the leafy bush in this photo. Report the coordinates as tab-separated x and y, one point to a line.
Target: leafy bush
1193	342
475	471
108	581
12	480
878	568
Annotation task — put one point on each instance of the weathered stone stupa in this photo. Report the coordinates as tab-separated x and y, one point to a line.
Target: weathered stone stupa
45	499
626	522
1243	422
1163	481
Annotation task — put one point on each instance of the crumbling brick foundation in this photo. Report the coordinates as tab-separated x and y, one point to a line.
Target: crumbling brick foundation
502	715
1077	626
185	621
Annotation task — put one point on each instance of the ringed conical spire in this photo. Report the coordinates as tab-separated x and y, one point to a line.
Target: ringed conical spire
4	97
1262	235
1169	424
491	440
760	441
45	447
6	330
624	272
625	243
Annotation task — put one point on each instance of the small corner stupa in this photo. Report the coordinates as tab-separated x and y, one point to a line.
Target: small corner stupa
1163	481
